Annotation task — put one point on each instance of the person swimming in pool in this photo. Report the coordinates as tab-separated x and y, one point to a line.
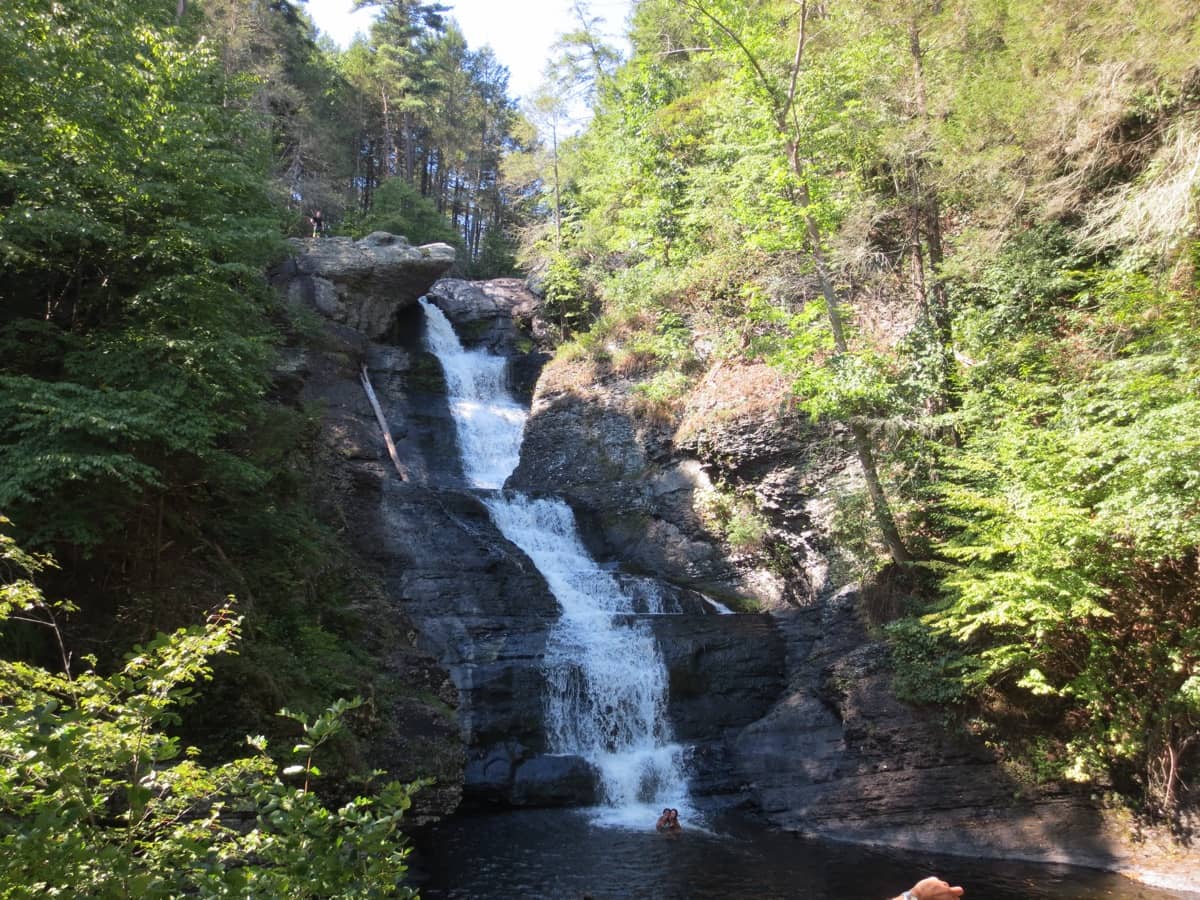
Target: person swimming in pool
664	821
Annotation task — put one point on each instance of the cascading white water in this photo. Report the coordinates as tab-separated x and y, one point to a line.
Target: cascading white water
488	421
606	677
607	682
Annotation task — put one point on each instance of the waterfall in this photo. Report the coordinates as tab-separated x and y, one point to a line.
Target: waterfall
608	685
606	677
486	418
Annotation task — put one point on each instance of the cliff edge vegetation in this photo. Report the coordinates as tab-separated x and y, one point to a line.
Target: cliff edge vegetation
965	232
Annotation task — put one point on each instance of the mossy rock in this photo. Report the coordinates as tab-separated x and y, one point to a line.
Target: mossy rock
425	375
475	331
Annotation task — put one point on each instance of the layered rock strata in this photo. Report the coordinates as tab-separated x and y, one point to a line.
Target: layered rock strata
789	709
335	285
823	747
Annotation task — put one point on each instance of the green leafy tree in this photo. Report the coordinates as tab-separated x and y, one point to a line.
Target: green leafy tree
402	75
810	107
1071	536
98	799
584	61
134	225
401	209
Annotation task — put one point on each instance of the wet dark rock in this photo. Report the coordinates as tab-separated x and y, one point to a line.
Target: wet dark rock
510	774
416	733
839	756
501	315
555	781
478	603
794	713
724	672
585	446
412	391
489	773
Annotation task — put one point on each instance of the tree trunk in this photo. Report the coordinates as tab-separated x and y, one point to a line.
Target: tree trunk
557	198
456	202
880	506
410	147
926	216
789	129
389	138
383	424
368	178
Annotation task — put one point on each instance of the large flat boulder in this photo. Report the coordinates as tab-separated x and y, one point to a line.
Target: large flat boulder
363	283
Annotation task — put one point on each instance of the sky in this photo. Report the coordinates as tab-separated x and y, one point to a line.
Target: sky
519	31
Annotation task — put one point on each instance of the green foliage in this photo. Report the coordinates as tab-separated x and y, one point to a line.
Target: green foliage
929	667
135	223
826	383
497	256
417	107
659	397
1030	404
734	516
567	302
98	799
399	208
1022	290
1071	533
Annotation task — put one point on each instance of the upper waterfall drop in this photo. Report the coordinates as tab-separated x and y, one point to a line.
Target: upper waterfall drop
487	420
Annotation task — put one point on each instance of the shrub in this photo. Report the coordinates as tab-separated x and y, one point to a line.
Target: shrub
400	208
567	299
97	799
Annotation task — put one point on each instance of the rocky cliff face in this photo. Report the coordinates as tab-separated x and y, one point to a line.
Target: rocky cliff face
340	284
363	283
646	482
473	611
812	736
469	613
788	709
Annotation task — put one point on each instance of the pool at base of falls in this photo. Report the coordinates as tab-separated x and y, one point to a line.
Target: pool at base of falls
567	855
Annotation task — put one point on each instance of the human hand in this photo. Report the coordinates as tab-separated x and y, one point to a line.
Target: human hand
933	888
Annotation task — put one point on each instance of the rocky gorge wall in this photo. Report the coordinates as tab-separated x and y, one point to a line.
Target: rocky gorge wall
789	708
473	609
834	753
341	295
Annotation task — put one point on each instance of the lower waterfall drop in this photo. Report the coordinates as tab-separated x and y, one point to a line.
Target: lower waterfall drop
607	683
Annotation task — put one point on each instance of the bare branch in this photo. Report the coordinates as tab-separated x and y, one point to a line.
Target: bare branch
760	75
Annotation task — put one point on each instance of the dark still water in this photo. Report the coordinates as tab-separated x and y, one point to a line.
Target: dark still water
560	854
